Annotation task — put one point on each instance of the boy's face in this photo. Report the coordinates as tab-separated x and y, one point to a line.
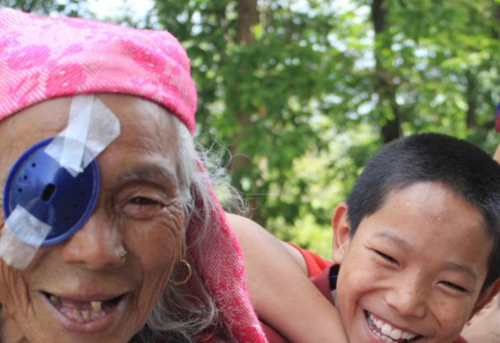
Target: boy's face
414	269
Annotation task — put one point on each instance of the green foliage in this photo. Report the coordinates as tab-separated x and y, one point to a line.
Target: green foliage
70	8
307	101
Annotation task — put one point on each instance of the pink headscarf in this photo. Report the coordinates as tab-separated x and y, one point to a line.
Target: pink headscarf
43	58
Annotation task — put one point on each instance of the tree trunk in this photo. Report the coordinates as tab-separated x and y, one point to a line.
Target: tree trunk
496	18
241	164
384	85
471	100
248	17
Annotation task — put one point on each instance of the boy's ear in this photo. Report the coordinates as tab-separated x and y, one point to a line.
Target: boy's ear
341	233
486	297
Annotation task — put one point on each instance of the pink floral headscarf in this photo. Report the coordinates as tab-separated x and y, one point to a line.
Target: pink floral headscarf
43	58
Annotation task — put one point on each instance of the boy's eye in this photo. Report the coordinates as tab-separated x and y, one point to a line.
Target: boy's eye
386	257
453	286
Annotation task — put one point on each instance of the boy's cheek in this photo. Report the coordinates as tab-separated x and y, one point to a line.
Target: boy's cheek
368	288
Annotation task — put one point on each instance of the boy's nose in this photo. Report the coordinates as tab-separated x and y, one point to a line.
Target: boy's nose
408	299
97	245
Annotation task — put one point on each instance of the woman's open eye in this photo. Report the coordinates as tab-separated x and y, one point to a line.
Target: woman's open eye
453	286
142	201
386	257
140	207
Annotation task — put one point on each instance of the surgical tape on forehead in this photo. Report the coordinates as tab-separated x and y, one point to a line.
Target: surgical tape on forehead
91	128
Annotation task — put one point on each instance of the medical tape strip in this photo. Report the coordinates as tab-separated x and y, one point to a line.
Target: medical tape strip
14	249
92	126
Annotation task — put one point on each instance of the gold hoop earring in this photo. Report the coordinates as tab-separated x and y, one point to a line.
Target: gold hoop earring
188	276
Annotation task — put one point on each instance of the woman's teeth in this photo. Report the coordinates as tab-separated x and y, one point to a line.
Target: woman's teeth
387	332
81	311
96	306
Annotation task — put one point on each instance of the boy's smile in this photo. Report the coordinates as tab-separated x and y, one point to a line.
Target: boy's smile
414	269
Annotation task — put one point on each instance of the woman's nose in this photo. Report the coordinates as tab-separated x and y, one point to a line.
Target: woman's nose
408	299
97	245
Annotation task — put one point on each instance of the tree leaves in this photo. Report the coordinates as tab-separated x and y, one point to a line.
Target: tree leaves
318	75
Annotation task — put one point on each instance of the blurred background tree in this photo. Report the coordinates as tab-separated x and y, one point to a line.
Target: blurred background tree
303	92
70	8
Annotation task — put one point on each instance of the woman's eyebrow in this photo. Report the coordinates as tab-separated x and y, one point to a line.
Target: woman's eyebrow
151	173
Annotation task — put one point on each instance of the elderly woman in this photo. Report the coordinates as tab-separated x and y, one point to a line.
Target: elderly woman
111	232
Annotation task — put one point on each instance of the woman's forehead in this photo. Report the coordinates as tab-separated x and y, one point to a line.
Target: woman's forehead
47	117
143	125
50	117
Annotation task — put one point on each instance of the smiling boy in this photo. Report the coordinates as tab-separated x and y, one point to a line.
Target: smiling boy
416	248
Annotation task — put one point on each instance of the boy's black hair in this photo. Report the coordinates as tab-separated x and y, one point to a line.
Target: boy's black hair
459	165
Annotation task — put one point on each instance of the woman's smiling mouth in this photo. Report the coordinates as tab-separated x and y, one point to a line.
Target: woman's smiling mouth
387	332
87	314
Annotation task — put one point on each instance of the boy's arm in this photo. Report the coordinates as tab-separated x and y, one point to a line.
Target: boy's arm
283	295
484	326
496	155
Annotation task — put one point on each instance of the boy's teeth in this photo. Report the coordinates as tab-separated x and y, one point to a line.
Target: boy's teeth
396	334
76	314
96	307
386	329
389	331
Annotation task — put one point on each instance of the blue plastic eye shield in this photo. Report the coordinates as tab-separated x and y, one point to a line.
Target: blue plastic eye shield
52	195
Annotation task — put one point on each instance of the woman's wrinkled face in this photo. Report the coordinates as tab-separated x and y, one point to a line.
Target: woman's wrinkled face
81	290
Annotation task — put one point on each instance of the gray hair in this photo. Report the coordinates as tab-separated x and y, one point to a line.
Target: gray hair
183	312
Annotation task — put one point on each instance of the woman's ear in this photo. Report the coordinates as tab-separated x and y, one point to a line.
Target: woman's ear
341	233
